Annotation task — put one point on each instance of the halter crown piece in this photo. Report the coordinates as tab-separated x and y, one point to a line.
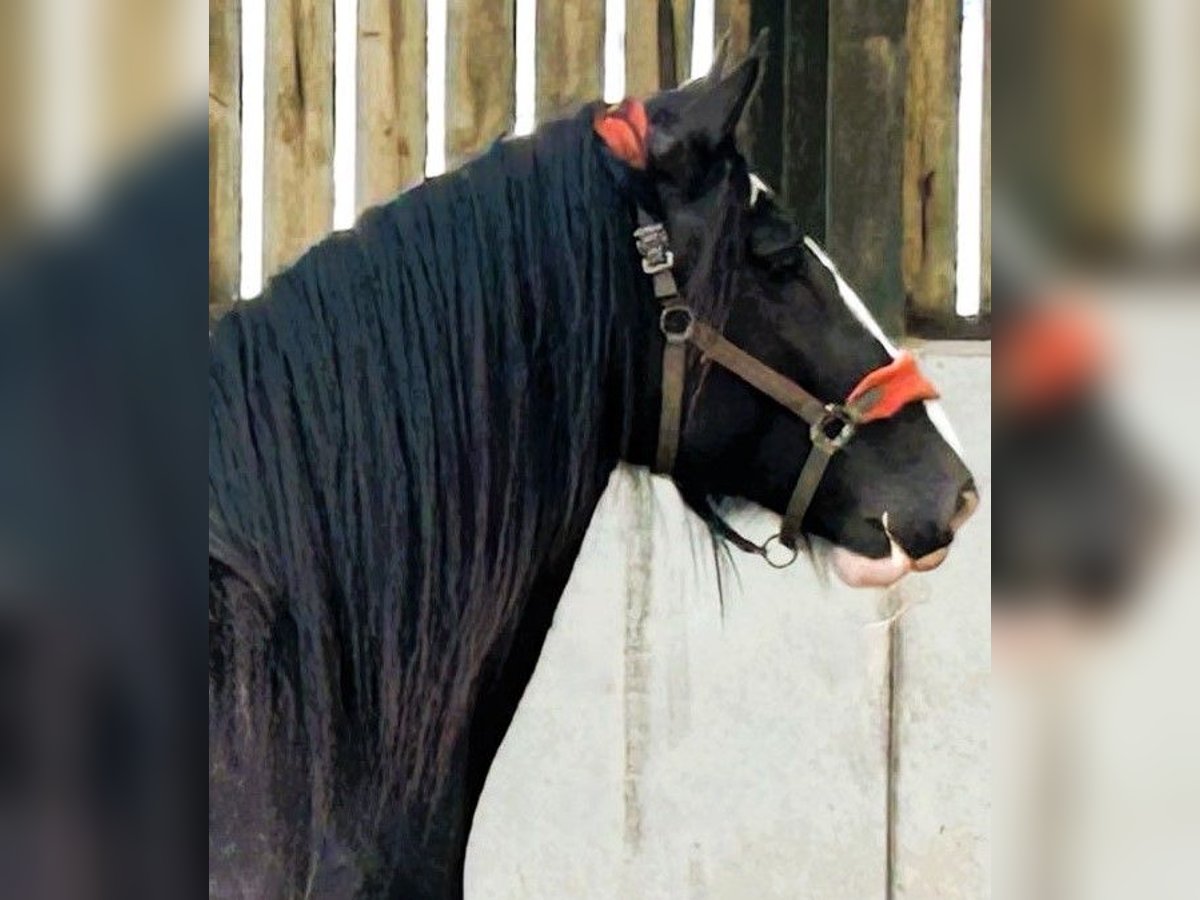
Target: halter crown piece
880	394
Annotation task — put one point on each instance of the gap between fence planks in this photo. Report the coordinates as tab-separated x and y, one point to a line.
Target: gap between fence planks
480	66
298	168
224	149
391	99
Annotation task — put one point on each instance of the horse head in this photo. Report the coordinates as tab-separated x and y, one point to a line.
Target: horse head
828	425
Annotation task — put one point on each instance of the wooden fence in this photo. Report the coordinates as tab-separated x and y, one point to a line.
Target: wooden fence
856	124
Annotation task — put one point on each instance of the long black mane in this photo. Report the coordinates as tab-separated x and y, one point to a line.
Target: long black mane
413	420
402	428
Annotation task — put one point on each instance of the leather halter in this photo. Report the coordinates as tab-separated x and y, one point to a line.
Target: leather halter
880	394
624	128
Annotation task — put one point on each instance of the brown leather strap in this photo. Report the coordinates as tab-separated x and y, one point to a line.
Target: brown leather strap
673	369
803	493
778	387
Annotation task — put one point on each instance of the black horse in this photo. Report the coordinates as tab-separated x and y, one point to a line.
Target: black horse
410	431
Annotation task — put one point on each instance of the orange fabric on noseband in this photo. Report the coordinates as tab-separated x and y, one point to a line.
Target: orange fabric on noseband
624	128
888	389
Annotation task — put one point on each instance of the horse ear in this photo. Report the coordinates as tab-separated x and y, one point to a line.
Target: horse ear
717	71
715	112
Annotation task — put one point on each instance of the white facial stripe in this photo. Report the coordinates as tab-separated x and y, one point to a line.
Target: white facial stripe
933	408
941	421
852	300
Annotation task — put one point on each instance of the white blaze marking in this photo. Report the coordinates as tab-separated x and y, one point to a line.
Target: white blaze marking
933	408
852	300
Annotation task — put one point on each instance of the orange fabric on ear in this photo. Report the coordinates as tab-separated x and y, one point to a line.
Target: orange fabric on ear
624	128
890	388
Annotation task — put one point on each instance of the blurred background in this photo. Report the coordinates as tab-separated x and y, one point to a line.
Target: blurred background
874	122
1097	271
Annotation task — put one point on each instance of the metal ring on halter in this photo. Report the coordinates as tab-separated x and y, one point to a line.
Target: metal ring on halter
676	336
831	443
778	562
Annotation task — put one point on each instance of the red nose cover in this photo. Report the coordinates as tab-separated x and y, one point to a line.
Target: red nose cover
888	389
623	128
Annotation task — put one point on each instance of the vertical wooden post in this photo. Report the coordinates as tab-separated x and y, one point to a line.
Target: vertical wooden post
683	10
867	65
641	43
224	149
930	195
480	60
641	47
805	64
570	55
787	128
391	98
298	168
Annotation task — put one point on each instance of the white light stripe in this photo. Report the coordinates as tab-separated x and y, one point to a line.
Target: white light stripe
254	50
703	26
526	67
614	50
345	111
970	162
435	88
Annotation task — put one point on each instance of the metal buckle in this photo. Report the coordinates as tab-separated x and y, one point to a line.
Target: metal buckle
654	247
821	438
676	335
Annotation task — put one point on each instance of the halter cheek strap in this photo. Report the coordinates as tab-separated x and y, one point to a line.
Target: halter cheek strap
881	393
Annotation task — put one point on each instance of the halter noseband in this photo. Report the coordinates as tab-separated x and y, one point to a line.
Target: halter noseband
880	394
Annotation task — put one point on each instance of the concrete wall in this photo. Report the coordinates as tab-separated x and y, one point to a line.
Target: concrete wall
774	746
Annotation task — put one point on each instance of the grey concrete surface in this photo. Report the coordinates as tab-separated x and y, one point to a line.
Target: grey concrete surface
671	746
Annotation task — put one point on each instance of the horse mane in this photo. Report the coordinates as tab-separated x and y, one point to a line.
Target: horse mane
412	419
406	424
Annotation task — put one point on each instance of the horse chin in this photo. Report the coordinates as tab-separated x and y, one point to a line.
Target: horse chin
859	571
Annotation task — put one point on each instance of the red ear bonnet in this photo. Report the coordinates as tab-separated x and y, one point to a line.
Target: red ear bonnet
624	128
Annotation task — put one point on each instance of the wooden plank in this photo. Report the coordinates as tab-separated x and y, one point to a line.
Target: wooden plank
930	180
867	61
641	47
570	55
224	148
480	100
786	134
298	164
684	14
391	98
641	43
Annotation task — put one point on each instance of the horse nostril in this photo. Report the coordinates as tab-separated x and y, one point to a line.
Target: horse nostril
968	502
